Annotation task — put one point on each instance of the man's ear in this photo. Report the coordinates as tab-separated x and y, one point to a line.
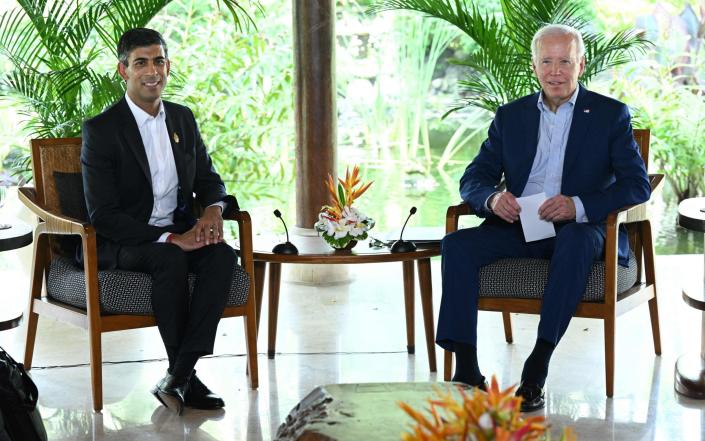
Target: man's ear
122	70
582	66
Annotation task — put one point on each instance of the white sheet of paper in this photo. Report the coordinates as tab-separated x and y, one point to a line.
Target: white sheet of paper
534	227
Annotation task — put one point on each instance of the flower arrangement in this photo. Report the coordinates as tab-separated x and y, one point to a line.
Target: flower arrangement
479	416
339	223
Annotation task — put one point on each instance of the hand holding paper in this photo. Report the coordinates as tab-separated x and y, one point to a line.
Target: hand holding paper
534	227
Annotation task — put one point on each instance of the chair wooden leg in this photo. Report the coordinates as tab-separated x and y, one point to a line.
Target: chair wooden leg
507	320
408	271
96	368
447	365
650	272
251	343
609	353
35	292
655	330
260	268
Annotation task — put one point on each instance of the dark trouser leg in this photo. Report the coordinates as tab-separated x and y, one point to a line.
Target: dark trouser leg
463	253
213	266
576	248
187	326
168	265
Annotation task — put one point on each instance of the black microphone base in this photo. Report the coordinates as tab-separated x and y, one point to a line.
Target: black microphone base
403	246
285	248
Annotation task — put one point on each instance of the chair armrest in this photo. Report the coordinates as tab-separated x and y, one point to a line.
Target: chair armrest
245	235
55	223
639	212
453	214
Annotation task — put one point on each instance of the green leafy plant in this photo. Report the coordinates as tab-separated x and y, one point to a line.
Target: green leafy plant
240	92
55	48
499	71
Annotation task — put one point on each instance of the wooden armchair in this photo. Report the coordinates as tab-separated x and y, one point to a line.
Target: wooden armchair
114	300
612	290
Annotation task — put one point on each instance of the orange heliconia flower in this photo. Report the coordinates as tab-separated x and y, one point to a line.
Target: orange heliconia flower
484	416
344	194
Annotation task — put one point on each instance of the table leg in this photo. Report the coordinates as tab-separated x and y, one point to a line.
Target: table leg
408	266
690	368
260	269
275	271
425	286
690	371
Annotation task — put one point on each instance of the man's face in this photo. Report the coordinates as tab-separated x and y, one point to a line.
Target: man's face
146	74
558	68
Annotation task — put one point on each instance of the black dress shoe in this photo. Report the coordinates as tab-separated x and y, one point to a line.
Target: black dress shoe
171	392
533	396
199	396
482	385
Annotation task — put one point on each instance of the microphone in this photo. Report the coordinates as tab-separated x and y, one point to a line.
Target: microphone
404	246
286	247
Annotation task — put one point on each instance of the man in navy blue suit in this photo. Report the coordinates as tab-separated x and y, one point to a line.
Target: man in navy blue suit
577	147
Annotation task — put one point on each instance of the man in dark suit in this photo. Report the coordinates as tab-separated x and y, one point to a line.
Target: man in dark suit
575	146
142	161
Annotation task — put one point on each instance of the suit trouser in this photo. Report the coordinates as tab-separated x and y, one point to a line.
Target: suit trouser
187	324
572	253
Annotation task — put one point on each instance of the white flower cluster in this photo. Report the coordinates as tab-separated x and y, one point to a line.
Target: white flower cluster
352	223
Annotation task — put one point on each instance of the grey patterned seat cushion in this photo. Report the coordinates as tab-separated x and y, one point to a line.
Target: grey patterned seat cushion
526	278
123	292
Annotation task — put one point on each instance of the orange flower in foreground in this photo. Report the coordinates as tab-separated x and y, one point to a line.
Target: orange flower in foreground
483	416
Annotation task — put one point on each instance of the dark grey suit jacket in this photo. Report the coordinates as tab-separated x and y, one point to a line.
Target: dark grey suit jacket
118	183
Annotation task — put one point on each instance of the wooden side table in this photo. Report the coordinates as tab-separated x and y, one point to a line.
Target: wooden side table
17	236
690	368
314	250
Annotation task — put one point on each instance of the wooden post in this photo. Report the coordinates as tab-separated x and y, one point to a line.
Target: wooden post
314	63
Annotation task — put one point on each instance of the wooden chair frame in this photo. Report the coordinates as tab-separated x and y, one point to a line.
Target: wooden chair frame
52	223
638	223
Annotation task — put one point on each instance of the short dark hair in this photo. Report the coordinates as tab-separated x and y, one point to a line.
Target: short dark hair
138	37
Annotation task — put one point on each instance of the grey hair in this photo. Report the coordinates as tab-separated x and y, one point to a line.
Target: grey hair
557	29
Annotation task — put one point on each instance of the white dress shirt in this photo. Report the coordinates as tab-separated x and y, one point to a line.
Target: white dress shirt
162	168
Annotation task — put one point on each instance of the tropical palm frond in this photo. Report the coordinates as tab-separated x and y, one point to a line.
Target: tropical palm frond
524	17
19	41
460	13
500	70
241	18
121	15
604	53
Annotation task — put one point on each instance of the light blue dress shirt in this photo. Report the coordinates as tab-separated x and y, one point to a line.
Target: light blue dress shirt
547	170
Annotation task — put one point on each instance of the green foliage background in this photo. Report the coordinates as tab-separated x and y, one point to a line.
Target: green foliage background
240	86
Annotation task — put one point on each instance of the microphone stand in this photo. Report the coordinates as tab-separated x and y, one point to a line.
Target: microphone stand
286	247
404	246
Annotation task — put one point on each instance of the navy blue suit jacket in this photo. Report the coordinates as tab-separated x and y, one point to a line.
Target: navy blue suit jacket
602	164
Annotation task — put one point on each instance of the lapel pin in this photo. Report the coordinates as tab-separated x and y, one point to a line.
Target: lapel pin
584	110
176	138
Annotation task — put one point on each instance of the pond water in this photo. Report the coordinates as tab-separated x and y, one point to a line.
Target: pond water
395	190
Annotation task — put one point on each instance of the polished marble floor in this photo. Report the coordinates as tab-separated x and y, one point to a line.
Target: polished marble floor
355	333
